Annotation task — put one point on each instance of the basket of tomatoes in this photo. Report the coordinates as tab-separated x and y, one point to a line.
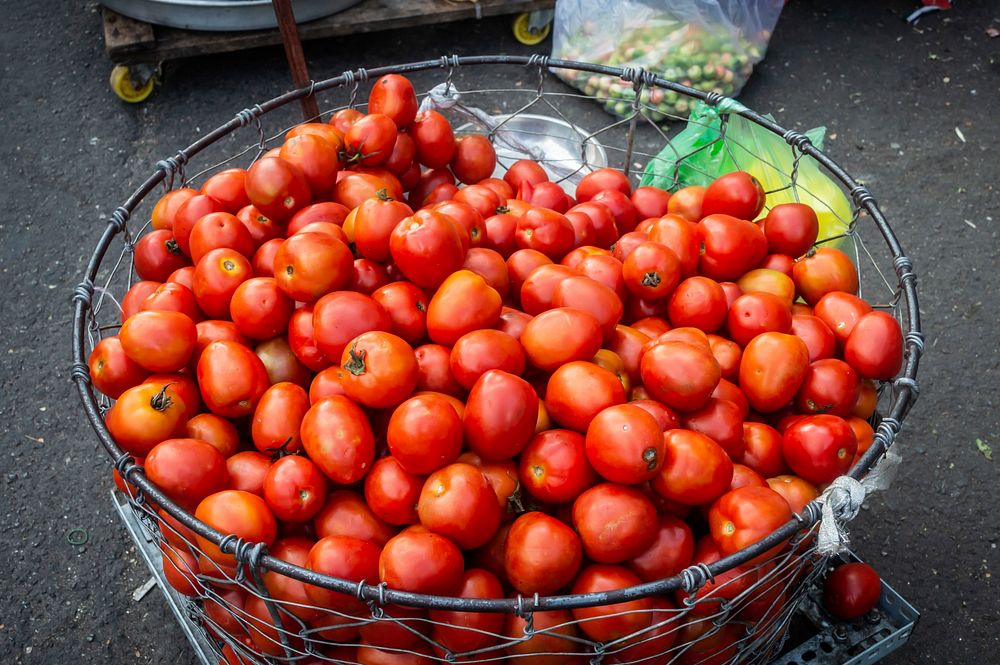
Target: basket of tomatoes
382	393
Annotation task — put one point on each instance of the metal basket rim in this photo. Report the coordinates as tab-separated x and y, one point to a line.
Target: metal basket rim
904	397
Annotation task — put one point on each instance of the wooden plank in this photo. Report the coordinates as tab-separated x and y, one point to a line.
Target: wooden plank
368	16
125	35
293	53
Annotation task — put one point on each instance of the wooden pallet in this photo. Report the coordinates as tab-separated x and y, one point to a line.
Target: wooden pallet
128	41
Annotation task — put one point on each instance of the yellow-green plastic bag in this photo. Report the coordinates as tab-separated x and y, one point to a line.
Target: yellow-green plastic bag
700	153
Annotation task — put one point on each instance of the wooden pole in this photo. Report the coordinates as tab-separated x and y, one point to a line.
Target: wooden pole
293	51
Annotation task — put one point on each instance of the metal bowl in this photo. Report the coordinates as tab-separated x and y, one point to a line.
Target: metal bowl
222	15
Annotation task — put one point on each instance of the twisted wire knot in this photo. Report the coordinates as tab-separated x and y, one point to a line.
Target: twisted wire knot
696	576
915	338
80	372
862	196
119	218
713	98
362	74
246	116
84	292
449	61
904	268
810	513
536	59
905	381
349	77
123	463
796	139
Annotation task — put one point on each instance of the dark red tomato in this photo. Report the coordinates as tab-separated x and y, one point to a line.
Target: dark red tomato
295	489
671	551
546	231
541	641
819	448
686	202
554	467
865	435
584	231
219	432
228	187
341	316
796	491
374	221
744	476
277	188
111	370
474	158
524	170
681	375
841	312
615	522
158	341
602	222
578	391
401	160
558	336
467	631
762	449
216	278
651	271
317	158
650	202
433	138
294	550
755	313
215	331
521	264
346	557
172	297
425	434
513	322
344	118
303	343
738	194
421	561
830	386
707	643
681	236
392	492
851	591
242	514
491	266
346	514
468	221
626	244
354	188
188	214
589	295
167	205
687	335
824	270
606	623
368	276
464	302
500	187
625	444
260	310
542	554
478	351
429	181
500	415
180	568
183	276
260	227
231	378
381	369
665	417
406	305
157	255
696	469
263	259
187	470
605	269
247	471
651	326
537	292
418	654
502	478
427	249
457	502
819	339
875	347
393	95
732	246
791	228
728	354
326	383
698	302
370	140
326	211
731	392
500	232
628	343
772	369
721	421
278	417
778	262
434	369
621	209
601	180
337	436
741	517
550	195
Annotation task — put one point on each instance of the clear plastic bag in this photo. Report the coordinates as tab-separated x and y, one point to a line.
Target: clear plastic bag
709	45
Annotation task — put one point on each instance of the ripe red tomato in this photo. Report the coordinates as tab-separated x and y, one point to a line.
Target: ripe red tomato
621	209
601	180
851	591
698	302
167	205
406	305
294	550
696	470
247	470
463	303
434	366
615	522
478	351
355	187
425	434
830	386
277	188
145	415
263	259
732	246
370	140
728	354
542	554
392	492
341	316
524	170
219	432
242	514
337	436
401	161
260	309
769	281
578	391
875	346
545	230
670	552
187	215
540	641
651	202
625	444
720	420
180	567
172	297
474	158
762	449
374	221
380	369
346	514
310	265
500	415
651	271
427	248
754	313
686	202
841	312
819	339
158	341
791	228
111	370
457	502
606	623
741	517
554	466
738	194
231	379
772	369
468	631
156	255
433	138
421	561
393	95
281	363
824	270
679	374
216	277
500	232
295	489
345	557
489	265
559	336
187	470
318	158
537	291
819	448
278	417
584	293
797	492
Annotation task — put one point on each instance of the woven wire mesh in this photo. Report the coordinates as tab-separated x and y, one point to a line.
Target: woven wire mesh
726	612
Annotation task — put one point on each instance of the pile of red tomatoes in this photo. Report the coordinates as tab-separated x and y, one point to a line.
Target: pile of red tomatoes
386	365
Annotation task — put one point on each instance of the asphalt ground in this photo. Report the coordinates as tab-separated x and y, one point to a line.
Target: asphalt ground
912	111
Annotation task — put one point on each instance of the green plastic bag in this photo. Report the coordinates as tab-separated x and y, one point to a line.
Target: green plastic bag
701	153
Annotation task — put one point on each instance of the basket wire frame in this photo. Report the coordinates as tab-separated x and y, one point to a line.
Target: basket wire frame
703	603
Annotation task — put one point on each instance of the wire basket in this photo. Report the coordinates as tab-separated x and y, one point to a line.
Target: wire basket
737	609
